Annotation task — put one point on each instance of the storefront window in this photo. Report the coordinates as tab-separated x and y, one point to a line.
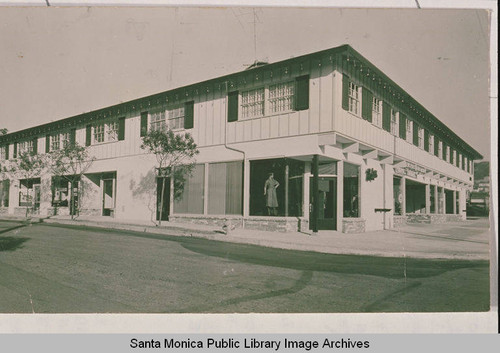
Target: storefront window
60	192
225	188
4	193
191	199
351	190
29	192
279	195
433	199
398	196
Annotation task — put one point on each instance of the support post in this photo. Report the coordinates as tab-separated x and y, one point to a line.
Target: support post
427	199
454	202
315	200
287	171
403	189
436	199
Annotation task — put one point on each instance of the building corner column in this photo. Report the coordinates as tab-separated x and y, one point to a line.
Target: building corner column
315	188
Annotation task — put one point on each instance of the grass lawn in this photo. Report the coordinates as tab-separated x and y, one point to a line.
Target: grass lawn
54	269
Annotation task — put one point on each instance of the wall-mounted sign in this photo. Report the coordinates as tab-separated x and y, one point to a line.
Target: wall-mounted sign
410	169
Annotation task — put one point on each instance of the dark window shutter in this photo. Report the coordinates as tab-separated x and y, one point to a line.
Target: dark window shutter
72	137
345	92
144	123
415	133
121	129
189	115
367	99
426	140
302	95
232	106
88	135
444	151
35	146
15	150
7	151
402	125
386	117
47	143
436	146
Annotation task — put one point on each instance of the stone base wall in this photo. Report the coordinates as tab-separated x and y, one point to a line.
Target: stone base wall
271	224
54	211
90	212
216	221
432	218
399	221
304	225
4	210
353	225
21	211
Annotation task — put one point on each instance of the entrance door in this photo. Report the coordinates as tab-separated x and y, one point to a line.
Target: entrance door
108	197
327	200
165	207
36	198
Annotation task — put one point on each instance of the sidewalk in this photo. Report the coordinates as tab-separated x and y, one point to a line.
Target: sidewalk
465	240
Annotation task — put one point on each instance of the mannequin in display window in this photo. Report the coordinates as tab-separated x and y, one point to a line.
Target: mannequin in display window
270	193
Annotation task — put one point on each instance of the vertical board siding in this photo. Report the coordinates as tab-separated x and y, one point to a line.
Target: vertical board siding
293	128
314	99
326	94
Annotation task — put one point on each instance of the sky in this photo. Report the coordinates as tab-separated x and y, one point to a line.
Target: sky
60	62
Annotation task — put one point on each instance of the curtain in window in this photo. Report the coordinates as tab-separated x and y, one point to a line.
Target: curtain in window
191	200
225	188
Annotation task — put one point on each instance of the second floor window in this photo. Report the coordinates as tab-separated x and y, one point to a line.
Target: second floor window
394	122
440	150
354	98
26	147
447	153
55	142
431	143
98	133
420	137
377	112
3	153
281	97
157	121
409	130
252	103
176	118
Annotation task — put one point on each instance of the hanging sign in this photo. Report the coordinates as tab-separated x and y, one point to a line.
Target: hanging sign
410	169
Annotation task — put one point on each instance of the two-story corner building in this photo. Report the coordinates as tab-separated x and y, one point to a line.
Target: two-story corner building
348	149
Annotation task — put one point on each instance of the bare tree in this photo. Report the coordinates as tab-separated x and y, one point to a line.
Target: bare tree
70	163
174	154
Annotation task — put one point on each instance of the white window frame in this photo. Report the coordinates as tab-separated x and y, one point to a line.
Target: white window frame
421	136
104	131
447	154
282	102
440	149
454	158
3	153
354	98
431	144
175	116
377	111
394	122
25	146
261	101
460	160
157	120
409	131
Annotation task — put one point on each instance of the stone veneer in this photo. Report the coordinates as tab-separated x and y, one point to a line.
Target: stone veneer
399	221
353	225
272	224
432	218
4	210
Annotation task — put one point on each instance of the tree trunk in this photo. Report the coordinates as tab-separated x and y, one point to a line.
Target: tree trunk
161	199
72	201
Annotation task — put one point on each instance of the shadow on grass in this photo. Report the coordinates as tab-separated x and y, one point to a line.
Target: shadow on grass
11	243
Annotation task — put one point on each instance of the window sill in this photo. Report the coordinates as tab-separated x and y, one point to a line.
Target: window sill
266	115
103	143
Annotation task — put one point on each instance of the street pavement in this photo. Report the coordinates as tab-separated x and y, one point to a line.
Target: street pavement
467	240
